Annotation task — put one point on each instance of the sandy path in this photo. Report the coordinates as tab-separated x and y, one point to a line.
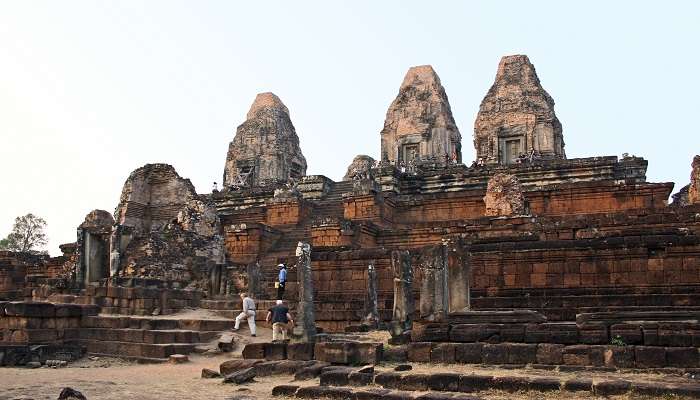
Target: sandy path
130	381
114	379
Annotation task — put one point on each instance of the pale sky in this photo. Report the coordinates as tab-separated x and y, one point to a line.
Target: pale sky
91	90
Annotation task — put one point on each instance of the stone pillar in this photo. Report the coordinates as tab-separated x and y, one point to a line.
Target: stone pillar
445	283
371	308
434	294
404	304
458	270
80	267
254	276
115	250
305	328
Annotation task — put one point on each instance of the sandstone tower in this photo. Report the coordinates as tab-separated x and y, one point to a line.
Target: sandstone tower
516	118
419	122
265	148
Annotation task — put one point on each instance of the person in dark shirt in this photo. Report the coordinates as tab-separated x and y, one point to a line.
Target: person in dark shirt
280	320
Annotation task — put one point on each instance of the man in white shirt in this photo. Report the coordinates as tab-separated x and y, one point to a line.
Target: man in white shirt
248	314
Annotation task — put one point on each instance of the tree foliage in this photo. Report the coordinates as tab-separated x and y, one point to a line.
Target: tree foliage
27	235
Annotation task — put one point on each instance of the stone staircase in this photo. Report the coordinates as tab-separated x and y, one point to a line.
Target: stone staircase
564	304
146	339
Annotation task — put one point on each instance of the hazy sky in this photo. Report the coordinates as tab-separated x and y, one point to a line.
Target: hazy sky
91	90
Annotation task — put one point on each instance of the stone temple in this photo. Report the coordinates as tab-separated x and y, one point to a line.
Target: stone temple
525	257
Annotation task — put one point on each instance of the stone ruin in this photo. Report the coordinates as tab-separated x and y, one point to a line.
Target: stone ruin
504	196
694	188
525	257
516	119
419	123
360	168
164	230
265	148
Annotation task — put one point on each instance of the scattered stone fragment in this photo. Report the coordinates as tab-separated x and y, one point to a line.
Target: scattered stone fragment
33	364
178	359
227	343
284	390
403	367
240	377
209	374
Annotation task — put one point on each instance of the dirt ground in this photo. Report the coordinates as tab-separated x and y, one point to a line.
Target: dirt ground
115	379
109	378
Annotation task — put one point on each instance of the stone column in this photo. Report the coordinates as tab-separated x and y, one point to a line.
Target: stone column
305	328
445	283
114	250
371	308
459	272
80	267
434	293
253	271
404	304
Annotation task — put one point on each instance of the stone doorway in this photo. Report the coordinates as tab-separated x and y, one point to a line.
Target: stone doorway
511	148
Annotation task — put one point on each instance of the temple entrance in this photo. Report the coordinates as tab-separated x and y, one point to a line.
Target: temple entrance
510	150
410	152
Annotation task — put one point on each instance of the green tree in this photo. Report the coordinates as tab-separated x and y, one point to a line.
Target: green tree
27	235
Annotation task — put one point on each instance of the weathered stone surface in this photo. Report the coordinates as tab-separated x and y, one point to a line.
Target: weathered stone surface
210	374
302	351
404	303
579	385
395	353
164	229
231	366
360	168
305	328
517	117
284	390
468	353
694	189
350	353
178	359
310	372
419	122
504	196
265	148
241	376
611	388
152	196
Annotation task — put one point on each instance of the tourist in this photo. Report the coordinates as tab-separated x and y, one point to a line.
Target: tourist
281	281
248	314
280	320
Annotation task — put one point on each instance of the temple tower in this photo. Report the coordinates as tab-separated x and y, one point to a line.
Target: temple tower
419	122
265	148
516	119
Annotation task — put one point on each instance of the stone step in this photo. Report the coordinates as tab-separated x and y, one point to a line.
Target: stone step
136	350
345	383
131	322
599	300
145	336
